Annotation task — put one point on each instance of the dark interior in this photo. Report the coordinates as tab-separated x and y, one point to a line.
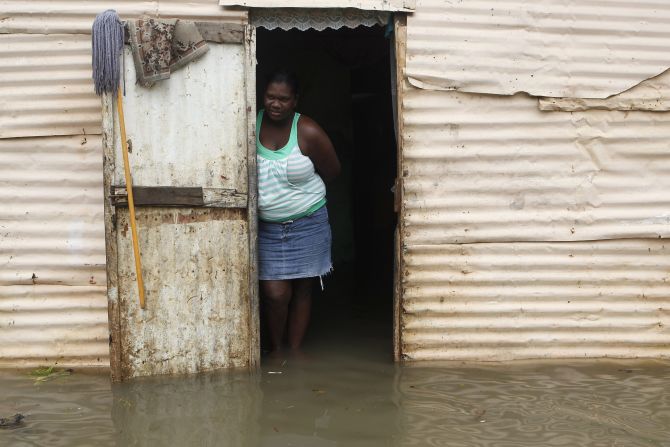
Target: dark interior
345	86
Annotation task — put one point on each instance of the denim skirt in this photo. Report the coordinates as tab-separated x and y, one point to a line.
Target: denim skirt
295	249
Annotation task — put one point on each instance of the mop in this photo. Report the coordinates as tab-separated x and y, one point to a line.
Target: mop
107	40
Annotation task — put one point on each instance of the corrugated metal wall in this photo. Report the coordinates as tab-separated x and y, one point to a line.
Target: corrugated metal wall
531	233
526	233
52	284
53	306
584	49
485	168
45	84
76	16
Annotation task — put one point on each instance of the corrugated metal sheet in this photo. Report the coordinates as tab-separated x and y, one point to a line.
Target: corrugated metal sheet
524	231
482	168
652	95
378	5
537	300
178	140
195	270
76	16
52	284
46	87
189	131
47	324
586	49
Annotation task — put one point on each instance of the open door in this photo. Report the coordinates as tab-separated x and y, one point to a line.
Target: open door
194	178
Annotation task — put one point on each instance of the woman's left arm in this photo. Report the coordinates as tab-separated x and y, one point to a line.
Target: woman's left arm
315	144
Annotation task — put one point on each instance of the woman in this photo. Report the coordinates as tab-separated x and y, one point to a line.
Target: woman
294	157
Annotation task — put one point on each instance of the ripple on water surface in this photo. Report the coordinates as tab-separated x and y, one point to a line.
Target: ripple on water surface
344	400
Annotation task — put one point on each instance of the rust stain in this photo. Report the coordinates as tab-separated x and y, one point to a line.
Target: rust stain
170	216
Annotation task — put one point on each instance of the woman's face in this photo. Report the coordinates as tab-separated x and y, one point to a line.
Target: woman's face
279	101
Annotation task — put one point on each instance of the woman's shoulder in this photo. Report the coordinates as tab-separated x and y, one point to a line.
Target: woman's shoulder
309	128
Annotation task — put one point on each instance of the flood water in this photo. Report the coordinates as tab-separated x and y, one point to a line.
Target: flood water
351	400
349	393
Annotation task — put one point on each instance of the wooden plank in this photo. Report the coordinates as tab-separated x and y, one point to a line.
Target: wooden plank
113	310
179	196
212	32
252	188
221	32
158	196
400	35
224	198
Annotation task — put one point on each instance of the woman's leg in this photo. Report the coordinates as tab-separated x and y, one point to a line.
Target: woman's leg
276	296
300	309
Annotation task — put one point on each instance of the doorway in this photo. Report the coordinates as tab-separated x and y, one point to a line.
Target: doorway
345	86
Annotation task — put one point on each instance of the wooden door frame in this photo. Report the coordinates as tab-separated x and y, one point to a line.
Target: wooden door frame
400	36
109	167
252	191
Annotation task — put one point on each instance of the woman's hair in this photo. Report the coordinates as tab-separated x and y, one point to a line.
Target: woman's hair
283	76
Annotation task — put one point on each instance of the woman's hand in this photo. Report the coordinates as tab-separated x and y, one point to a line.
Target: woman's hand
315	144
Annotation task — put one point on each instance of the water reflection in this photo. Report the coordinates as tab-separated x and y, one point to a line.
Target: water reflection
604	404
353	398
331	402
205	410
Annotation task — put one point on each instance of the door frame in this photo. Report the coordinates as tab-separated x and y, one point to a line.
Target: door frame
399	43
252	191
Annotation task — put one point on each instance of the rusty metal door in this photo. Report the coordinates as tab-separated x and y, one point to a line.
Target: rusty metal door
194	179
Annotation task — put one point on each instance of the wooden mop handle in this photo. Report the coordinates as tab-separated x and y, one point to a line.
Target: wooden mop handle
131	201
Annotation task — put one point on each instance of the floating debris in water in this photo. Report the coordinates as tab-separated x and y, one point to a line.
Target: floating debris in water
46	373
12	422
125	402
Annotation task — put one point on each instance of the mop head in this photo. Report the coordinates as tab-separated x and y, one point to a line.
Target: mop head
107	40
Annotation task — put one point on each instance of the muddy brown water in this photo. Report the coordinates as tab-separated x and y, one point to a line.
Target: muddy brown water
351	398
348	392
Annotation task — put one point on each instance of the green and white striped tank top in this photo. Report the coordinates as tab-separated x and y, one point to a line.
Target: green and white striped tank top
288	186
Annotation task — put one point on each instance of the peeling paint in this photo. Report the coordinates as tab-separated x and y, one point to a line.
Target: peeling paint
652	95
113	294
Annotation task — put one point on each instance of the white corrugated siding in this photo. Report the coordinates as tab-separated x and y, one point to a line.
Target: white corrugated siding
76	16
52	285
532	234
585	49
502	301
485	168
51	223
46	87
